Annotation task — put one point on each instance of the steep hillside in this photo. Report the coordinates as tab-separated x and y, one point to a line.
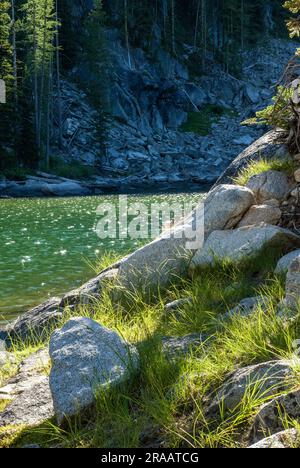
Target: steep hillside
149	95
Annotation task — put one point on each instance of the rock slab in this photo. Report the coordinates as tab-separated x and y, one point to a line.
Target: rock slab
243	243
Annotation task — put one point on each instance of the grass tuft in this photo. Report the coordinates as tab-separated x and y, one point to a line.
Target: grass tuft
285	164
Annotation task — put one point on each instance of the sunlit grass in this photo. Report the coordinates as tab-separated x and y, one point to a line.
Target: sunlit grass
164	404
283	164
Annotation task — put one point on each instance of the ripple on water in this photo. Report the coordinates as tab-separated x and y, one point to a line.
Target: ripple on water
46	244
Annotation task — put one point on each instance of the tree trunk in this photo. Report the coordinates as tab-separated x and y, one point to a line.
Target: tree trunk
43	70
197	25
126	31
35	85
15	69
58	83
47	146
173	26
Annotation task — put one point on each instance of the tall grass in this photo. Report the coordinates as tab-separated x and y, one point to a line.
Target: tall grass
282	164
164	404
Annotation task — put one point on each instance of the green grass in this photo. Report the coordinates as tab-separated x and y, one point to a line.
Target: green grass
201	122
164	404
282	164
3	405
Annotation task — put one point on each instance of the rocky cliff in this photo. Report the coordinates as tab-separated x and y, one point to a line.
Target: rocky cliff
154	98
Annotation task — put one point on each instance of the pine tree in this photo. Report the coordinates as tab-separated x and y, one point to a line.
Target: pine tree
40	27
7	75
293	24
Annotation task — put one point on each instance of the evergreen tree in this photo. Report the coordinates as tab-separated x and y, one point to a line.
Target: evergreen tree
6	74
293	24
40	28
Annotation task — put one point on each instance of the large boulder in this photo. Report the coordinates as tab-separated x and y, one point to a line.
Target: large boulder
269	214
268	147
265	379
242	243
269	185
86	358
270	418
156	264
283	440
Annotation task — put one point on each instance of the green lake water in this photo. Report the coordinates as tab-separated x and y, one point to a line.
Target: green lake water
47	245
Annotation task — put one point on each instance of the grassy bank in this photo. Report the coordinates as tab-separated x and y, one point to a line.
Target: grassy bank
164	404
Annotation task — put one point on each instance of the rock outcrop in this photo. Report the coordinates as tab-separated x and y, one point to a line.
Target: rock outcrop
166	258
269	146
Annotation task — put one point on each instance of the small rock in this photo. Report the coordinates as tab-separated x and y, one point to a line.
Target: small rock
246	307
176	347
268	379
6	358
261	213
252	93
295	193
292	287
285	262
86	357
272	202
282	440
297	175
179	304
269	420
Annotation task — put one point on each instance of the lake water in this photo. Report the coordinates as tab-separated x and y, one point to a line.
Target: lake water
46	245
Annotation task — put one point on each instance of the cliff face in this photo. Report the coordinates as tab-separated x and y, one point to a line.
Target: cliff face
172	120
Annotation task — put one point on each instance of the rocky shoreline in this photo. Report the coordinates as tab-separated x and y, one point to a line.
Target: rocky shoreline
49	185
240	222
